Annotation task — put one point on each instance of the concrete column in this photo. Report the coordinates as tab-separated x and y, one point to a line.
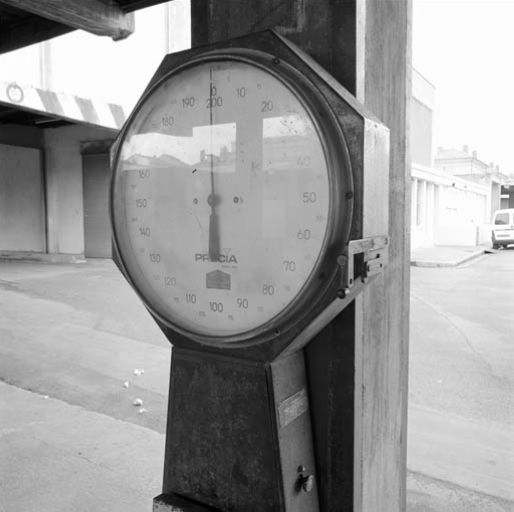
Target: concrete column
423	204
63	163
430	213
414	203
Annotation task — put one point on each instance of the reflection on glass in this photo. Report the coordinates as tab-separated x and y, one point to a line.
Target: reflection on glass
206	144
287	143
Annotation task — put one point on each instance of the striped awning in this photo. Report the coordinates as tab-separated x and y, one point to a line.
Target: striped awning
62	106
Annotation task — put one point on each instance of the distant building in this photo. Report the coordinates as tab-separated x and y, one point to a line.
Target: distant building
467	165
446	208
421	113
507	194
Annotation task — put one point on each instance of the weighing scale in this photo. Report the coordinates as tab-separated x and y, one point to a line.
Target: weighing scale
235	203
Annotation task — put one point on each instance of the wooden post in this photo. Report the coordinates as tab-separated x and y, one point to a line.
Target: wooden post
386	92
361	358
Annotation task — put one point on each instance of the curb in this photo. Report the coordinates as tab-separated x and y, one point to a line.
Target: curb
41	257
448	263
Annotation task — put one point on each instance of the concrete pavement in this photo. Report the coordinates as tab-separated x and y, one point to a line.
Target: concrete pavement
77	332
71	439
57	457
472	454
427	494
461	378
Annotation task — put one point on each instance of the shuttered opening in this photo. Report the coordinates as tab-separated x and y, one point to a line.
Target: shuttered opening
97	231
22	212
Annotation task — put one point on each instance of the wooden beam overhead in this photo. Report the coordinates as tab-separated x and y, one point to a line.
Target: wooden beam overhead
27	31
100	17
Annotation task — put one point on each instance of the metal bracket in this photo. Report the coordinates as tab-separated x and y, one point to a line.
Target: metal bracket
360	264
362	258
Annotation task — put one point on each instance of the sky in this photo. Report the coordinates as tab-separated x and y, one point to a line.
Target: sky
466	49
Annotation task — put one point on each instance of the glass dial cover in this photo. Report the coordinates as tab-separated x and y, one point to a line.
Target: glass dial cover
221	197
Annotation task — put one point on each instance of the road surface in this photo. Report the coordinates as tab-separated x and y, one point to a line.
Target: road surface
72	335
461	375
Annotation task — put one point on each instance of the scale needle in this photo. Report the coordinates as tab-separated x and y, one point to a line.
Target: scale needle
214	231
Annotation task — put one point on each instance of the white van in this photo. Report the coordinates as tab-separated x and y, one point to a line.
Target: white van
503	228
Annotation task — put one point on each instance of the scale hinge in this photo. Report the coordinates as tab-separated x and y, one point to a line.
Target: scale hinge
362	259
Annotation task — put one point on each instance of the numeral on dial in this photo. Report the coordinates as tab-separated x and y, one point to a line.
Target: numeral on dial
266	106
303	234
289	265
217	307
188	102
304	160
167	121
242	303
268	289
214	102
309	197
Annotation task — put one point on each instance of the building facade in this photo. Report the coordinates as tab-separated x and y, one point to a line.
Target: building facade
467	165
507	195
50	198
54	145
452	199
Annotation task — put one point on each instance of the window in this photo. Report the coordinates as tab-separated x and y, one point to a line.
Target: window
501	218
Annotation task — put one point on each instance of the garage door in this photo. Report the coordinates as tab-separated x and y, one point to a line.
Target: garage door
97	231
22	213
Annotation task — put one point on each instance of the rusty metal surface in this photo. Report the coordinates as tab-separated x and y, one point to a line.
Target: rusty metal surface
221	445
298	465
226	446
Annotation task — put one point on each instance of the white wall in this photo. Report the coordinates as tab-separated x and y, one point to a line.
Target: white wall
65	208
447	210
421	119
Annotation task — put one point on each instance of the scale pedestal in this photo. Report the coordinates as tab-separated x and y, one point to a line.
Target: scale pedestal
239	434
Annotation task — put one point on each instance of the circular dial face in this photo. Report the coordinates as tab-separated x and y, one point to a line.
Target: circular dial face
221	198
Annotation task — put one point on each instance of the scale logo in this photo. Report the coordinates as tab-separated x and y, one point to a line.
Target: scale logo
217	279
222	258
